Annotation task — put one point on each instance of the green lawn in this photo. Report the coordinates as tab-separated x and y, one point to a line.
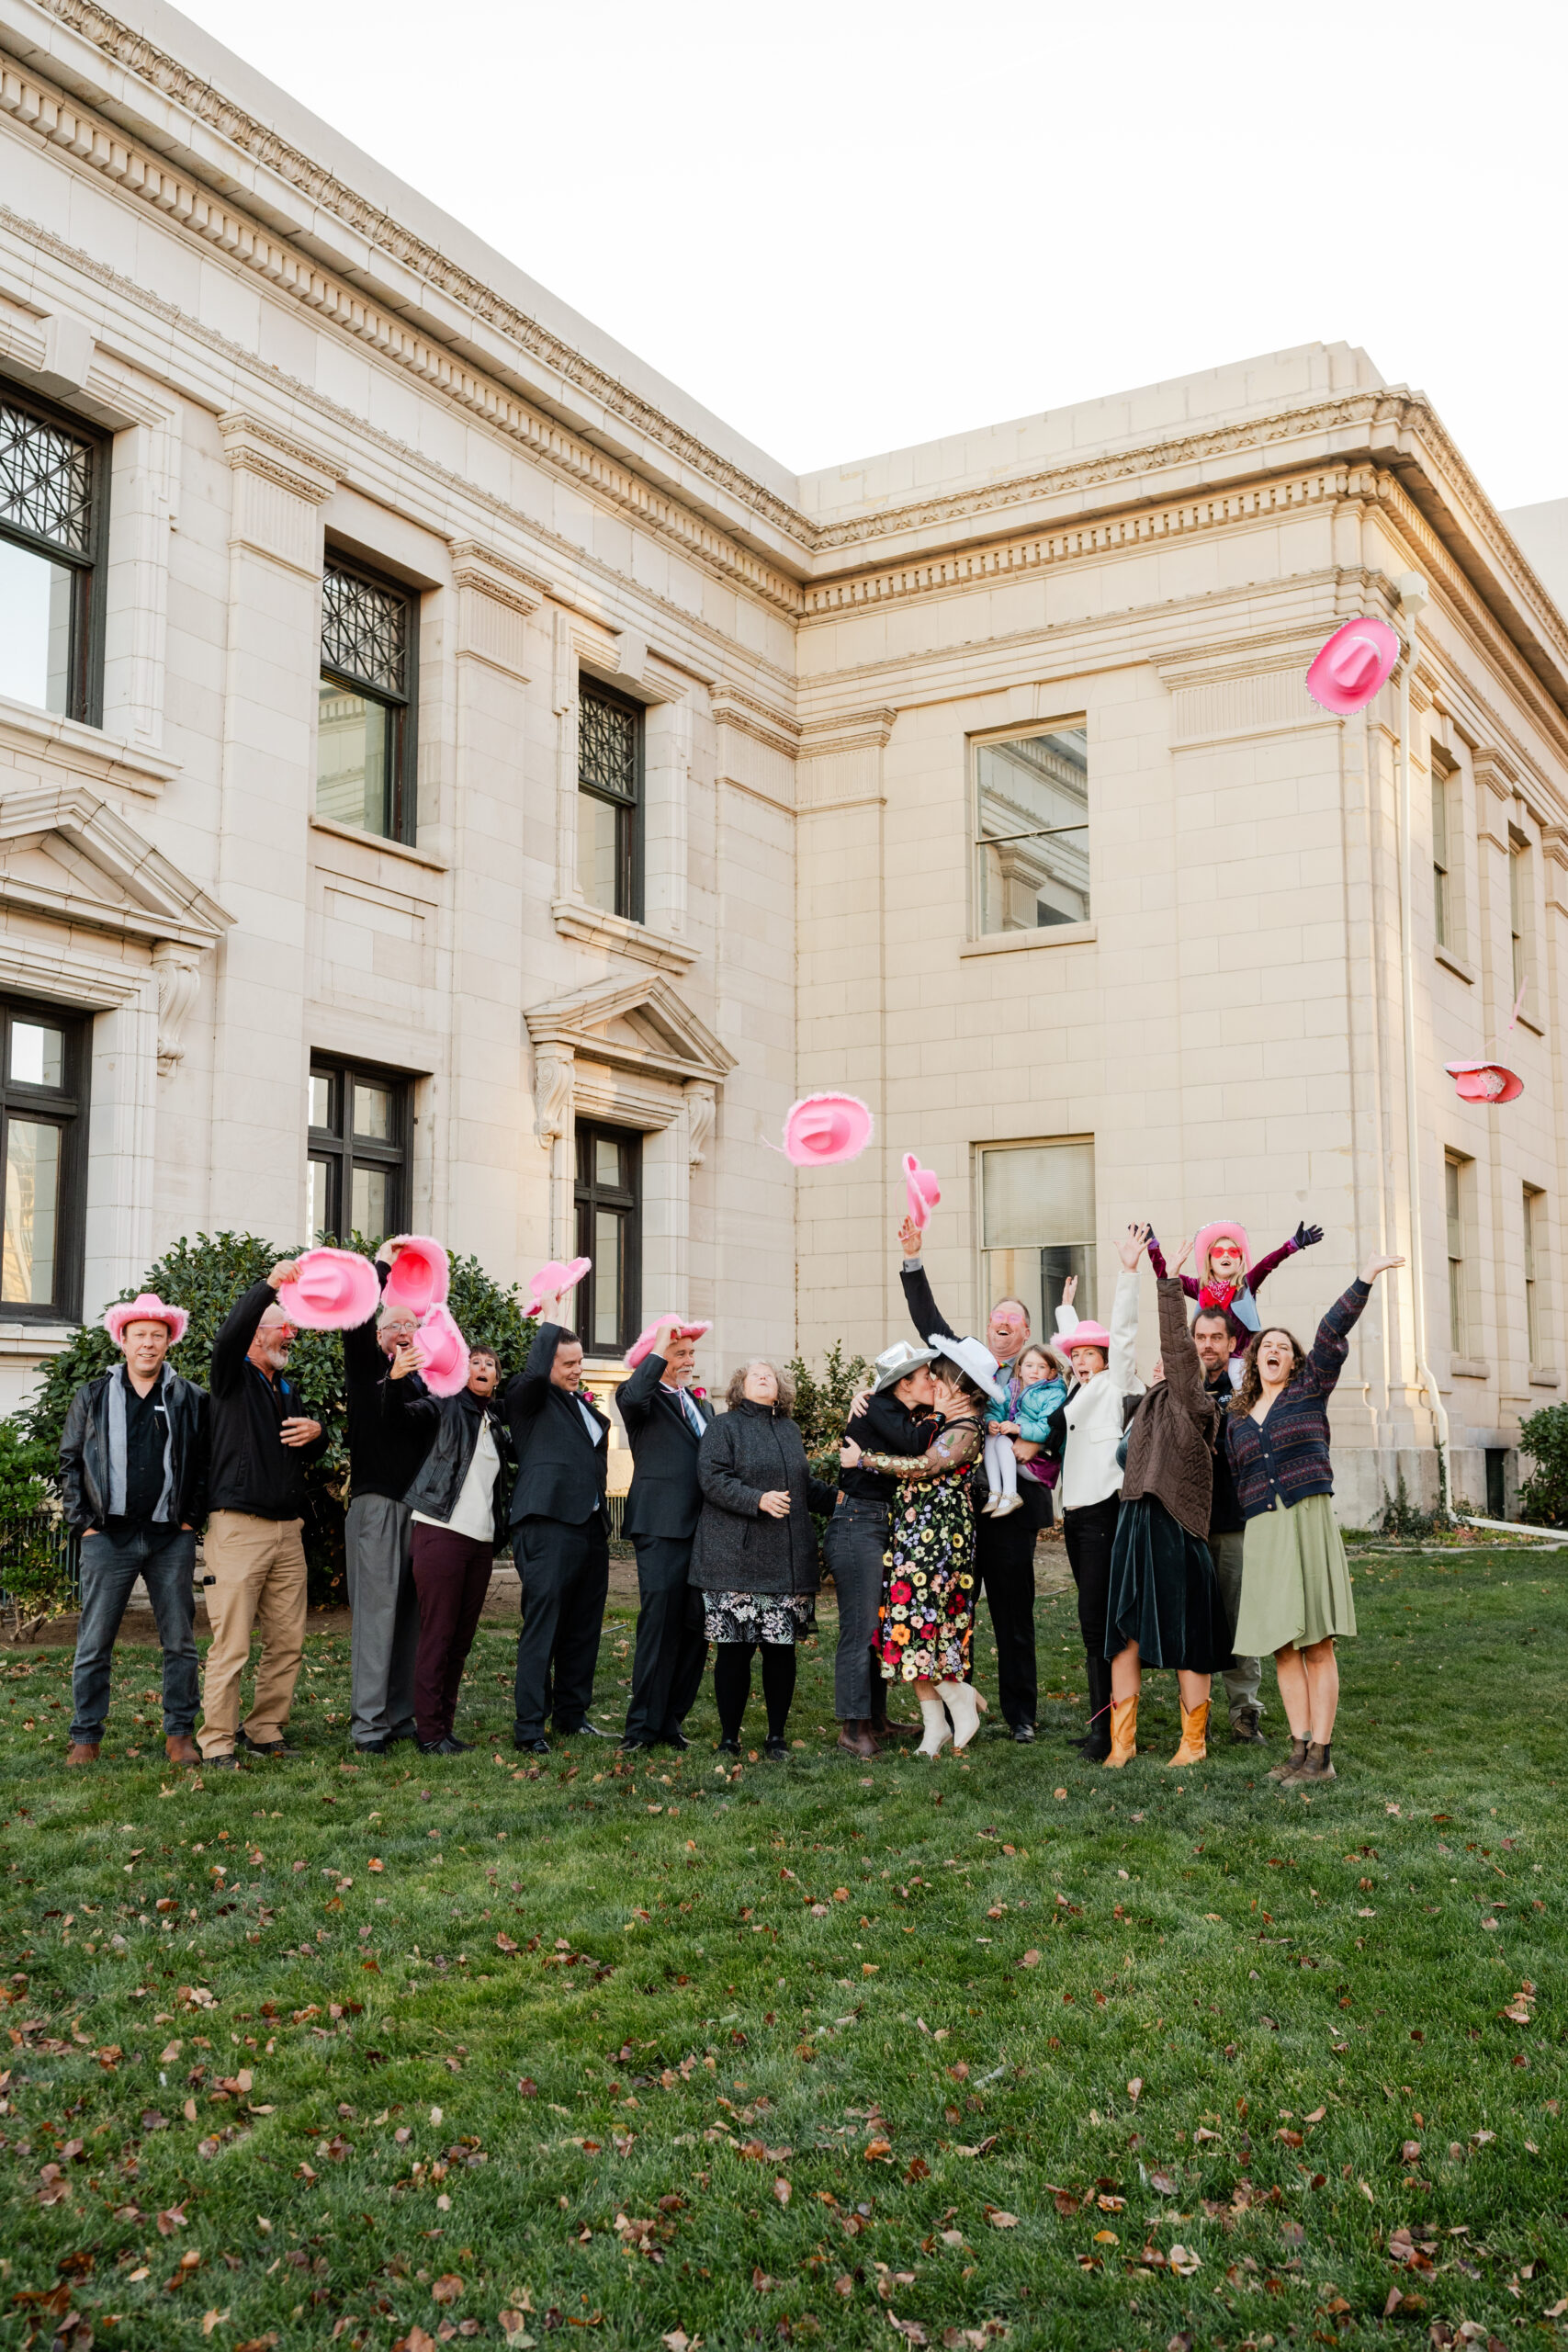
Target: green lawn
1011	2044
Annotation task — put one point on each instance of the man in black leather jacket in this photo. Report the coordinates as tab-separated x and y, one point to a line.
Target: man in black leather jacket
133	1483
561	1528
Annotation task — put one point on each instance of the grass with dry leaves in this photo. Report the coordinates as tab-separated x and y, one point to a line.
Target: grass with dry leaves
432	2050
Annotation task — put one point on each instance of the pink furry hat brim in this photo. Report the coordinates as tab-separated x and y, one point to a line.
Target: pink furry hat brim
643	1344
148	1308
1220	1231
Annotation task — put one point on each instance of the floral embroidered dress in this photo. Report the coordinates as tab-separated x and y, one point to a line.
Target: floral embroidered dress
926	1618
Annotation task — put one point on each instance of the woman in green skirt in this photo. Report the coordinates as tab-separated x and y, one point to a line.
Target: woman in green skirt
1295	1580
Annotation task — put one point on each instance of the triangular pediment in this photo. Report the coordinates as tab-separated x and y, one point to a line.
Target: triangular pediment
66	853
643	1024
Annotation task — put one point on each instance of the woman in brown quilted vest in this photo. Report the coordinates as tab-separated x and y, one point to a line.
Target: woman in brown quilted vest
1165	1607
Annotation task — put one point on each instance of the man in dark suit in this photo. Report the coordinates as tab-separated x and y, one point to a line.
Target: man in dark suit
664	1422
1004	1548
561	1532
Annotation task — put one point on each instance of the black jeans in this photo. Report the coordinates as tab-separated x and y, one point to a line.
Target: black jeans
565	1576
1090	1534
1004	1560
671	1647
856	1546
163	1555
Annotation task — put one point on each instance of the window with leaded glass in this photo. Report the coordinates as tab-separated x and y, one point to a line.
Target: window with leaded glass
609	1230
356	1156
609	801
43	1143
365	748
53	478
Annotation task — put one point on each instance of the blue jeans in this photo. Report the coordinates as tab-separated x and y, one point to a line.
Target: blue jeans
164	1556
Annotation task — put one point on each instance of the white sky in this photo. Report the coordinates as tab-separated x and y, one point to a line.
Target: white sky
845	225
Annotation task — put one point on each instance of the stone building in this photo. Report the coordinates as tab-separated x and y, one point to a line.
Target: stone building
450	780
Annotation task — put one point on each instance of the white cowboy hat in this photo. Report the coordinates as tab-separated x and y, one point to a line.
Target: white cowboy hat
970	1356
897	1363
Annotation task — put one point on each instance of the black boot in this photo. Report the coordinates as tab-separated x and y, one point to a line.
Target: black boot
1096	1744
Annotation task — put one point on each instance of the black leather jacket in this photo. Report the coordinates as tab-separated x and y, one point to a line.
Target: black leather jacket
440	1481
84	1452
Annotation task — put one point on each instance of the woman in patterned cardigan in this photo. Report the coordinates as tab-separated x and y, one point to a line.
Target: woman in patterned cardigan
1295	1580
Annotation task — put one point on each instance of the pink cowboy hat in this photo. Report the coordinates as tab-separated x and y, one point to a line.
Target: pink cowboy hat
420	1276
337	1290
641	1345
553	1277
446	1353
1484	1082
1223	1230
822	1128
146	1309
921	1189
1086	1335
1354	663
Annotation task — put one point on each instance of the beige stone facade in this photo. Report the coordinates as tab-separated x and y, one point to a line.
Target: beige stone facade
1171	982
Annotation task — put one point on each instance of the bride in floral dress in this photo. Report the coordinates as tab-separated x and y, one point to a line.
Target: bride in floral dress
927	1624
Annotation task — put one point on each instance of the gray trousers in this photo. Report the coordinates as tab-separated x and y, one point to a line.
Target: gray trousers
856	1542
386	1619
1243	1680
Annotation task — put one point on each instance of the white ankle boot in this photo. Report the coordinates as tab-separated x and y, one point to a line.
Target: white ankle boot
959	1700
937	1731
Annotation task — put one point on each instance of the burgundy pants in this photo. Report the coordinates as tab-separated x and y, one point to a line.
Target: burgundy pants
451	1576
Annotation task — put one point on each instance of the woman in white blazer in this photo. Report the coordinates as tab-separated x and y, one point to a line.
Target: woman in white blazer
1103	1365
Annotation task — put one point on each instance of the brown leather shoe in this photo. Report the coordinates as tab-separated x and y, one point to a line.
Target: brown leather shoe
855	1740
181	1749
82	1751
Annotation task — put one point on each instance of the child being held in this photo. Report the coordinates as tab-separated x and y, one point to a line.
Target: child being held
1041	1393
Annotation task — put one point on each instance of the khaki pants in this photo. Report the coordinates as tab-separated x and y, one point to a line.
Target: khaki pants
257	1567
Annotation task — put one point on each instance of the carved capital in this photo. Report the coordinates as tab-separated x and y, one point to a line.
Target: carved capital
256	449
179	978
553	1076
702	1109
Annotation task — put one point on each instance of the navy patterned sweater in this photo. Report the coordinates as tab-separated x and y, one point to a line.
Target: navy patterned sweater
1284	1457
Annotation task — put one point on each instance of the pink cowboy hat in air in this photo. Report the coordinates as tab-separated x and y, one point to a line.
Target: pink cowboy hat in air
643	1343
921	1189
1222	1230
336	1290
1086	1335
1484	1082
823	1128
1354	663
420	1276
553	1277
146	1309
446	1353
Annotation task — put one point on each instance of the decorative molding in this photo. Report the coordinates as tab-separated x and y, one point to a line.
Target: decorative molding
179	978
856	731
552	1092
1247	703
496	577
702	1109
1496	772
66	854
666	1038
108	761
575	918
253	448
746	715
495	600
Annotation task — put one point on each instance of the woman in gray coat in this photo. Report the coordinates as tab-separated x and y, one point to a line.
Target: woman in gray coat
754	1556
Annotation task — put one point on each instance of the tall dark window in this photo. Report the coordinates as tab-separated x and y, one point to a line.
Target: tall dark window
53	480
609	801
365	748
609	1230
43	1147
358	1168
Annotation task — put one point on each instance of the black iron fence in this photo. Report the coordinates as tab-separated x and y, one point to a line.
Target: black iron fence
39	1555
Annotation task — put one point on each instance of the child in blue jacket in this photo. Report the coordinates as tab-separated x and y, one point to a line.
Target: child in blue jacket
1042	1391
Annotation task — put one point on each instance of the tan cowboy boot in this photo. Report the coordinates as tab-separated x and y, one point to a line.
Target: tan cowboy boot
82	1751
181	1749
1124	1734
1194	1745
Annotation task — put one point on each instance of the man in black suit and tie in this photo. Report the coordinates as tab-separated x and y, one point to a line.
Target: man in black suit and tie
664	1422
561	1532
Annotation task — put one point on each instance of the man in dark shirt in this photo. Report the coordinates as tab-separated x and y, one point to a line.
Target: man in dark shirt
260	1441
1244	1677
133	1477
890	1421
390	1432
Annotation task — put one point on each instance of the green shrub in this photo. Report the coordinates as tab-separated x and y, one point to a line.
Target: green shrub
1543	1495
822	1406
205	1276
35	1558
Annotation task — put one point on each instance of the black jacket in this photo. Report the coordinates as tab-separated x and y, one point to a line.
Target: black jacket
928	1317
885	1426
453	1437
749	1452
84	1452
665	1497
251	1469
1224	1511
391	1423
561	1472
